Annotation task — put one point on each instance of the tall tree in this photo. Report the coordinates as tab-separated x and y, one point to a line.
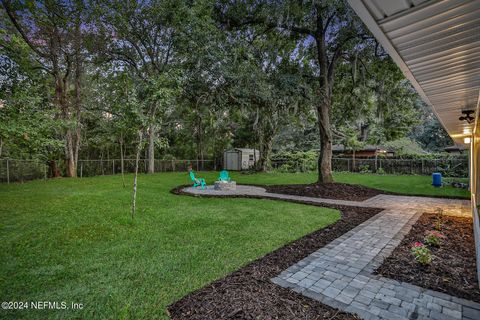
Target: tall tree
325	31
373	101
54	32
28	127
142	37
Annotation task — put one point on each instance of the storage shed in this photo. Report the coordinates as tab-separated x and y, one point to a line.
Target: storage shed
240	159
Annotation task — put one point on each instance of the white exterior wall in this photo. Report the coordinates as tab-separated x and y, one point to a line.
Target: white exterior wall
475	192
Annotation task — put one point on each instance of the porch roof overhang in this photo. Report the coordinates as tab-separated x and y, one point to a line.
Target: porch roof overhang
437	46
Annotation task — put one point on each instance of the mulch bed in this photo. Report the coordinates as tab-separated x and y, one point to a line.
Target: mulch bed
453	268
340	191
248	292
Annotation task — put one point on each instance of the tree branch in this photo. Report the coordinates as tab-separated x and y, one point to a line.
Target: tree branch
18	27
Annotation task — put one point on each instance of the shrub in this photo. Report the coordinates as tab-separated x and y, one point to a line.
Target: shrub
380	171
364	168
295	161
433	238
421	253
169	157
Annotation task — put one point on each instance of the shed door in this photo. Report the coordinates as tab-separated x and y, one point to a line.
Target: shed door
232	161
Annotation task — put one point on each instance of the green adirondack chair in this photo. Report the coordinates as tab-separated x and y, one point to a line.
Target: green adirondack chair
197	181
224	176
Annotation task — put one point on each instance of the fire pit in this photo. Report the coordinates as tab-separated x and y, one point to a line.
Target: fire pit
225	185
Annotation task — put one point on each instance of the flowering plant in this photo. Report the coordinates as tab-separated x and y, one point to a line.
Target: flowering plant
433	238
421	253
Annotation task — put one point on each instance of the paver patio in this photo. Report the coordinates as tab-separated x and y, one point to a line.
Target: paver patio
341	273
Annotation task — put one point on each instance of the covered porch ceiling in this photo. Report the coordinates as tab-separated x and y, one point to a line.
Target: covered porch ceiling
437	46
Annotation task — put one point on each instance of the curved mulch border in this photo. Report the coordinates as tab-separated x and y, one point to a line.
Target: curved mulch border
335	190
453	269
248	292
373	192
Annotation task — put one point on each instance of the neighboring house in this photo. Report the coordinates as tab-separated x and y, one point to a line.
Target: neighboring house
369	151
240	159
454	150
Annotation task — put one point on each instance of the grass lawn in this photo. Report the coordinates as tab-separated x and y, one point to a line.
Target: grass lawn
73	240
413	185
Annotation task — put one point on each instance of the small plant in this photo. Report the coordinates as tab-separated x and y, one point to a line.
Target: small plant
438	219
421	253
380	171
433	238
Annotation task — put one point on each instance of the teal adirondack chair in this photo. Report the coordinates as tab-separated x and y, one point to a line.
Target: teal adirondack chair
224	176
197	181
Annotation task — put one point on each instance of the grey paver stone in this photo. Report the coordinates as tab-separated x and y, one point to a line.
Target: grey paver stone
374	310
368	294
434	306
306	283
434	314
380	304
398	310
404	298
359	305
331	292
350	291
339	284
455	314
408	306
387	292
344	298
447	303
467	303
440	295
312	295
362	299
471	313
390	315
322	283
373	288
299	275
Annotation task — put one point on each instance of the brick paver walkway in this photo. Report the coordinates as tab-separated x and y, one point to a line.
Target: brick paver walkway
340	274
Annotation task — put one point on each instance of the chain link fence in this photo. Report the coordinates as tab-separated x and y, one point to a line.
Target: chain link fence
451	167
22	170
13	170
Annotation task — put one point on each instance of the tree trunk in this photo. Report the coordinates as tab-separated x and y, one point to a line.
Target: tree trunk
78	93
137	159
199	138
266	141
122	167
70	157
325	134
353	163
61	99
265	155
151	149
1	146
53	169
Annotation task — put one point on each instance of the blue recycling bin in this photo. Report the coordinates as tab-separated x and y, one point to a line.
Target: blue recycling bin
436	179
